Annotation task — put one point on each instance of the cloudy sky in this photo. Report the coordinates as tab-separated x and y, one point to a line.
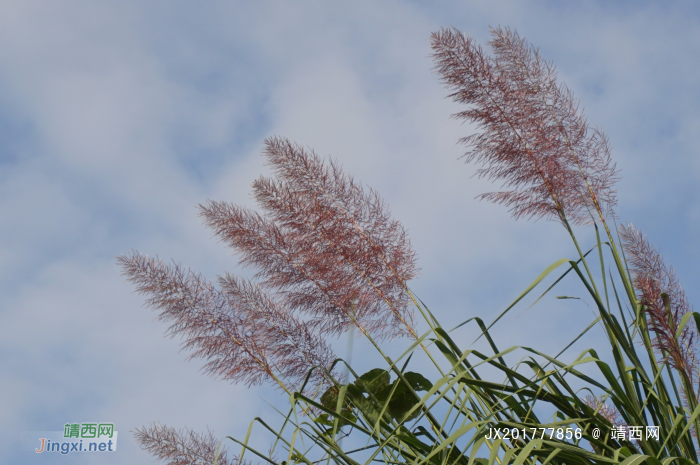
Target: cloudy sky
118	118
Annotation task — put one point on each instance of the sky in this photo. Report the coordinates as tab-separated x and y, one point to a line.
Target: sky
118	118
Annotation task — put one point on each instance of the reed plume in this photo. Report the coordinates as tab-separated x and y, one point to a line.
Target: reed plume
184	447
245	335
534	137
325	245
325	248
328	257
664	303
296	351
604	410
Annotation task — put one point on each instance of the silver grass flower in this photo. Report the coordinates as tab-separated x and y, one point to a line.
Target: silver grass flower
534	139
183	447
326	246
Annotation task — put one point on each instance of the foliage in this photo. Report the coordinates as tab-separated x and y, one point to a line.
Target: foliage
330	259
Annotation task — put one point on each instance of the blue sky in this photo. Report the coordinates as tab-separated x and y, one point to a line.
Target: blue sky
118	118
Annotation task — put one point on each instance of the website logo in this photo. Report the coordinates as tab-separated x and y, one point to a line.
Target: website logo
79	437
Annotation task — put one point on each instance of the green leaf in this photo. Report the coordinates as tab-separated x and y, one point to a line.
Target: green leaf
323	420
373	381
329	399
401	404
418	382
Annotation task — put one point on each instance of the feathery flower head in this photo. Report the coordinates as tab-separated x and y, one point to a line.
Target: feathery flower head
324	244
664	302
325	248
605	410
184	447
245	335
533	136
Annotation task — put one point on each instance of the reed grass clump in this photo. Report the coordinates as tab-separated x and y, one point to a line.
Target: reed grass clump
330	260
